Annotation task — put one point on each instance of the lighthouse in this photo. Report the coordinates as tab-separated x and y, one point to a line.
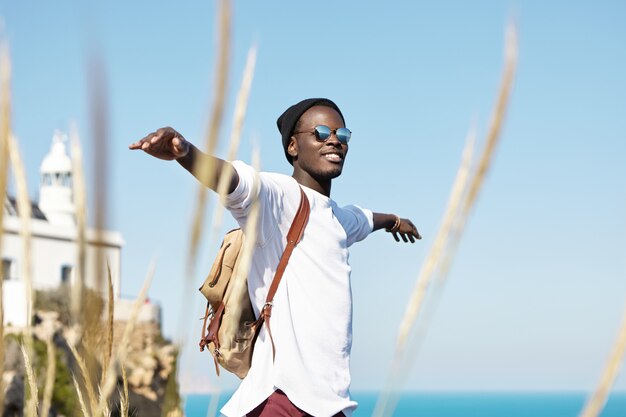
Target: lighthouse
55	190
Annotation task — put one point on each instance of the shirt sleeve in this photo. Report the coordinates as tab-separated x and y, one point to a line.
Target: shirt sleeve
240	200
254	186
357	222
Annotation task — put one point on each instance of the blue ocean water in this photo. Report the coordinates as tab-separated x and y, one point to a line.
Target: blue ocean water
422	404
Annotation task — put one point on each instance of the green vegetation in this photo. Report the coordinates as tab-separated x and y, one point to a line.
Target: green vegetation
172	400
64	399
58	299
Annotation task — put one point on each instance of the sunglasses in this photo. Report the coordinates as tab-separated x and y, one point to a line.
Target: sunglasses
322	133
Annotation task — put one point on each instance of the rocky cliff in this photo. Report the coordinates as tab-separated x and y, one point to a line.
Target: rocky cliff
150	367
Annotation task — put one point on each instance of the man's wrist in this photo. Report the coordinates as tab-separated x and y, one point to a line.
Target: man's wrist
393	228
187	160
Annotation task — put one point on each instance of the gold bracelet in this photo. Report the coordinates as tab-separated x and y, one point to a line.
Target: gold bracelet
395	227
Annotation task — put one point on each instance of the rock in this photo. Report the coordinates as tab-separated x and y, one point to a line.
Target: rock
48	325
14	395
135	377
149	363
13	360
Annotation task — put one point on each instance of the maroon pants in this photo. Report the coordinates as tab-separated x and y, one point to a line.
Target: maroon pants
278	405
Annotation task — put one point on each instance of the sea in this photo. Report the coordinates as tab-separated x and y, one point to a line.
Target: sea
421	404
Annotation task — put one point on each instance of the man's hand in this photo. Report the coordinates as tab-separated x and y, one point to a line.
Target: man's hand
166	143
399	228
407	231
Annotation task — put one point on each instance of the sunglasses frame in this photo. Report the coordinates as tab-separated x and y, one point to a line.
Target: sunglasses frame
331	132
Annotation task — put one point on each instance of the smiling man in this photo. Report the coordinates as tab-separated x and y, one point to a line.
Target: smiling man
309	374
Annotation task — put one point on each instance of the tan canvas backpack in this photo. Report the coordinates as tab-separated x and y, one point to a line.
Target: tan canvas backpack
233	328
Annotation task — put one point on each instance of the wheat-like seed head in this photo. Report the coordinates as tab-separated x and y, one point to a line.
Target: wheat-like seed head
50	375
204	171
87	378
81	399
235	136
30	406
110	379
462	199
597	401
80	202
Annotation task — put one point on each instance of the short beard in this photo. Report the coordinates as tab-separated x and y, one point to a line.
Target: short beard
321	175
328	175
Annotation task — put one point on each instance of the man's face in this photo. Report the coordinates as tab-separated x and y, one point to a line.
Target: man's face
322	160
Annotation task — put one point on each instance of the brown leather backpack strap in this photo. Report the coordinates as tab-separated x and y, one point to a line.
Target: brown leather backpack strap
203	341
296	231
207	338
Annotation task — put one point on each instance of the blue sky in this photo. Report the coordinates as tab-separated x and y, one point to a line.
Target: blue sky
537	290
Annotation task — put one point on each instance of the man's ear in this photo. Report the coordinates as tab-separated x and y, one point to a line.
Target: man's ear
292	148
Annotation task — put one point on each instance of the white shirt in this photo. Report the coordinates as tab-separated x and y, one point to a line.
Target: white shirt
312	311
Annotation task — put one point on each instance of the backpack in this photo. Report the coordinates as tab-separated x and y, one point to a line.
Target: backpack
233	328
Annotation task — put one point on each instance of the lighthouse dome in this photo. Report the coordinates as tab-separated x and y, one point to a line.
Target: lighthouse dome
57	161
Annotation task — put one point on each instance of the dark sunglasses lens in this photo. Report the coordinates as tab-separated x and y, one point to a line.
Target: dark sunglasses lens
322	132
343	134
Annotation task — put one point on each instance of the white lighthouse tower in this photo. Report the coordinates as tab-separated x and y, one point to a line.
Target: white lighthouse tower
55	192
54	245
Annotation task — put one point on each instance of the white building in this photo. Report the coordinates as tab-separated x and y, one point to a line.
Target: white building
54	247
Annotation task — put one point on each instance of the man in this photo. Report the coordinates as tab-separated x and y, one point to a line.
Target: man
312	309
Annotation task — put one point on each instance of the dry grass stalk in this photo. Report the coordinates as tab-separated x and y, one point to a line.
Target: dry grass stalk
204	171
487	156
108	350
177	412
30	405
80	202
389	397
213	404
100	140
460	204
106	410
123	405
124	398
50	375
245	258
81	399
111	378
597	401
436	253
87	378
235	139
497	118
235	136
5	129
25	213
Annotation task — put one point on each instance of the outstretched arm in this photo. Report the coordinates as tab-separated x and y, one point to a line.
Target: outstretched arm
399	228
167	144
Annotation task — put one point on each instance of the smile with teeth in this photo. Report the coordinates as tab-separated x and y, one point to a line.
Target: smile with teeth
333	157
